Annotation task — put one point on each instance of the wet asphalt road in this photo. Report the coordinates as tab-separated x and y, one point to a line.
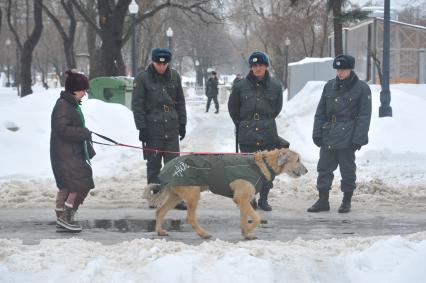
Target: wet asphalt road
116	225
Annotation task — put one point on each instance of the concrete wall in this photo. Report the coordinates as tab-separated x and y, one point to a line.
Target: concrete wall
308	69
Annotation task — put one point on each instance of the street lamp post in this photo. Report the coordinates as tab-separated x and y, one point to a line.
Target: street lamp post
287	43
385	109
8	42
133	10
169	34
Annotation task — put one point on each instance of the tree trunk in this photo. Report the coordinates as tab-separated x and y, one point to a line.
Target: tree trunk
67	39
91	41
337	12
28	48
324	35
58	72
111	23
1	19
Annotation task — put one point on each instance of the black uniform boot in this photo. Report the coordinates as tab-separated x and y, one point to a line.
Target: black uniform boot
181	206
263	199
321	204
264	205
253	203
345	207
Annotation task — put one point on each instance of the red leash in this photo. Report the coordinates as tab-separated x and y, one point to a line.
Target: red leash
164	151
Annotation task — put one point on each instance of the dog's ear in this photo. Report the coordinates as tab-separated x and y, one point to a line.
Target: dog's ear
282	159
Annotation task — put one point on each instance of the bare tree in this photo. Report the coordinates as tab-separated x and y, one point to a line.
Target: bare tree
113	31
415	15
339	18
265	25
26	48
67	38
1	18
377	63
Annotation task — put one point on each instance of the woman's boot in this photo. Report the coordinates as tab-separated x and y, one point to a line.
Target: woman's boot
66	220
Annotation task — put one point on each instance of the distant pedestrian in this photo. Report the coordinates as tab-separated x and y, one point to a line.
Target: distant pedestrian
212	91
159	110
254	104
341	126
236	79
70	152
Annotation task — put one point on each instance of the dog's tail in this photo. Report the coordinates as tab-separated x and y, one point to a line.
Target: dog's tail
155	194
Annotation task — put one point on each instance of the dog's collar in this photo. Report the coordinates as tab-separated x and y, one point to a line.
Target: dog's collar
270	169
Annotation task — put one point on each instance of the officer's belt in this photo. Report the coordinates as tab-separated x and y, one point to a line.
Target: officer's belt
257	116
335	119
166	108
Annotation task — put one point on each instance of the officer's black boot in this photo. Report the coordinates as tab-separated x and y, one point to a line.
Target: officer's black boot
322	203
263	204
253	203
181	206
263	199
345	207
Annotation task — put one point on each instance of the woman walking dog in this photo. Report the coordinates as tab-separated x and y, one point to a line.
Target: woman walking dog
70	152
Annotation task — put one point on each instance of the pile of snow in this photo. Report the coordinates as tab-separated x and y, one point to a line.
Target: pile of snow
391	167
376	259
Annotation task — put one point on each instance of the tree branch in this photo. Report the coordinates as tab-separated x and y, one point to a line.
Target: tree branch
11	27
86	16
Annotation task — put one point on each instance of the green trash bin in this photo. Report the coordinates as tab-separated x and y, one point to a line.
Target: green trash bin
112	89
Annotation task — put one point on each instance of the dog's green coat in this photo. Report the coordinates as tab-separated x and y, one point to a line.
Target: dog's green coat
214	171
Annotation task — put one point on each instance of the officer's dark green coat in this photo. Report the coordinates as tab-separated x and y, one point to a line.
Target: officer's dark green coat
343	114
211	87
253	106
215	171
158	103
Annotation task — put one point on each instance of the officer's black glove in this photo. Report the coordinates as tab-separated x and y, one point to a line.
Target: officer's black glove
182	131
142	135
356	146
317	141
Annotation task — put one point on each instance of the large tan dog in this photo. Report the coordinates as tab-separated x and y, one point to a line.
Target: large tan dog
267	163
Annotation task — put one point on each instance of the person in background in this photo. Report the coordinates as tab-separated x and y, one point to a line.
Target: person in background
70	152
341	126
212	91
253	105
236	79
159	111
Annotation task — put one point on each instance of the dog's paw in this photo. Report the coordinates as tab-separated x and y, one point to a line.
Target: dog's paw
206	236
250	237
162	233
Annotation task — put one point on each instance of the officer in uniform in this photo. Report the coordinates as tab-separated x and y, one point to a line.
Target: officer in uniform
212	92
159	110
253	105
341	125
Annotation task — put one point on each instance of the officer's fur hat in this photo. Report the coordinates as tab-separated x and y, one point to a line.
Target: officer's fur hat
344	61
161	55
75	81
258	57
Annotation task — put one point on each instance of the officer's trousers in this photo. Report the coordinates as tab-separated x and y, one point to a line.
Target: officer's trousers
209	100
154	159
328	162
267	185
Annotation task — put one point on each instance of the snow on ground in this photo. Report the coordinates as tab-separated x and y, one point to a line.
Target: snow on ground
390	169
376	259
